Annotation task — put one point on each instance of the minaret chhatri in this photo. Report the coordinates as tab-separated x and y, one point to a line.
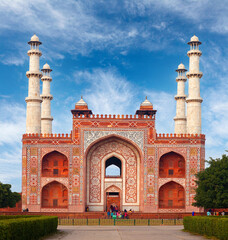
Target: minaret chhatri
46	118
180	119
33	114
194	100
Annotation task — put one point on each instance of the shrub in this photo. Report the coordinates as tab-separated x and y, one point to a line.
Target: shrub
27	228
5	217
209	226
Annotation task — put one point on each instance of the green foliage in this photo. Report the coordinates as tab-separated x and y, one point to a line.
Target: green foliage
28	228
5	217
209	226
212	190
8	198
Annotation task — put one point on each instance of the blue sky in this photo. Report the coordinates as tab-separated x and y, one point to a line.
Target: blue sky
114	53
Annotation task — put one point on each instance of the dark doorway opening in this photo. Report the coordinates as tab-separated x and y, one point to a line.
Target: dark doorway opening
112	201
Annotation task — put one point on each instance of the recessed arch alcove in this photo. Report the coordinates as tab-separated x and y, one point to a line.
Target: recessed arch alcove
172	165
171	195
54	164
54	195
108	151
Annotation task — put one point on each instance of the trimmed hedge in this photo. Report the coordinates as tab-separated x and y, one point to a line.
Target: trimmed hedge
5	217
27	228
210	226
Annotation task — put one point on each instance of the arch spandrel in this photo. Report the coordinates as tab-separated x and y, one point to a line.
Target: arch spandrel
113	188
181	151
45	151
163	181
135	137
45	181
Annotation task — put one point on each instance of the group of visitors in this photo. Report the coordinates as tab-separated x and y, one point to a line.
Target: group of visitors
214	213
115	213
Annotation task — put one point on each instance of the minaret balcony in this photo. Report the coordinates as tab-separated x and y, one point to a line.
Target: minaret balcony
181	78
180	97
33	99
194	99
34	74
34	51
194	74
50	97
46	78
194	52
47	118
180	118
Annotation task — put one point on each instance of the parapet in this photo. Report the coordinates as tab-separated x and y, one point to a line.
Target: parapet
167	135
110	116
47	135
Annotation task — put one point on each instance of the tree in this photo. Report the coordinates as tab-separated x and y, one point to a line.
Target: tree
8	198
212	184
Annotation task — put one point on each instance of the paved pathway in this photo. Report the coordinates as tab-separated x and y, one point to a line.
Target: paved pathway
122	233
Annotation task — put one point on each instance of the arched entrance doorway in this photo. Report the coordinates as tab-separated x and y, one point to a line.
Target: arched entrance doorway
126	157
54	195
113	198
171	195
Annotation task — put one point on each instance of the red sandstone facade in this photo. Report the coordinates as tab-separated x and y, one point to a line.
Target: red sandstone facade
66	173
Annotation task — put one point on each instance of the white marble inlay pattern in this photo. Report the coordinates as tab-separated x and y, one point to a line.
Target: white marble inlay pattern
135	136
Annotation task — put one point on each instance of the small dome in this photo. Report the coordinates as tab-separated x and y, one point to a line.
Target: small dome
46	66
181	66
81	102
194	39
34	38
146	103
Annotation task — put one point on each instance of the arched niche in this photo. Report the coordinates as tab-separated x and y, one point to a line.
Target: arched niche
172	165
113	167
54	195
171	195
55	164
97	155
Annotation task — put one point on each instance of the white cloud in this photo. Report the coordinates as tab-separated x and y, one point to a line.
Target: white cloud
108	91
165	105
76	27
12	122
205	13
12	126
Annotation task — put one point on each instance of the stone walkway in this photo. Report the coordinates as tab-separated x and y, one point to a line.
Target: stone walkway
122	233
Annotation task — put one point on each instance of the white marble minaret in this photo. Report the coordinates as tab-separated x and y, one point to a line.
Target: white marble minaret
46	118
33	113
194	100
180	119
